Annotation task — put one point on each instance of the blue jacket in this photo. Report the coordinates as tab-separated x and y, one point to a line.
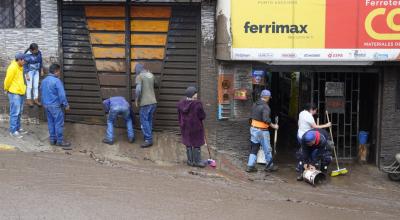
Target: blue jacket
53	93
117	101
33	62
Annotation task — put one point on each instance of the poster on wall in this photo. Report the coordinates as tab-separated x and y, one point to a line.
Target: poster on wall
323	30
258	77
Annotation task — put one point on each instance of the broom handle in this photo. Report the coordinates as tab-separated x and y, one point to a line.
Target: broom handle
276	134
334	147
205	141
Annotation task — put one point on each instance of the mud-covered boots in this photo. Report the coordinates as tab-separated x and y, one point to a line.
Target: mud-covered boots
197	162
189	154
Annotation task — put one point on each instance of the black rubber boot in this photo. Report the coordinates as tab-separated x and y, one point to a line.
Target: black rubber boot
197	162
189	154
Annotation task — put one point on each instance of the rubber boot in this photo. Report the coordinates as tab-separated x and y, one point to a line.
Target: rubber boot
189	154
197	162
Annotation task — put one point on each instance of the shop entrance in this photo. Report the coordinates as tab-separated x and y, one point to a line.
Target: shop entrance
349	94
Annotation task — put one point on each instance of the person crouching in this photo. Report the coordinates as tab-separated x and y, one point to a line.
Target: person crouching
115	106
316	151
190	116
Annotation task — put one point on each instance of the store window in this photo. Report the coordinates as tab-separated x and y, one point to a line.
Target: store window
20	14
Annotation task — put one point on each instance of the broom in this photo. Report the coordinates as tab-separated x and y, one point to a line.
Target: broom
210	161
338	171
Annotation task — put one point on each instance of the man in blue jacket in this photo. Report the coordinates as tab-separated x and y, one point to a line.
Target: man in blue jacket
54	100
315	151
115	106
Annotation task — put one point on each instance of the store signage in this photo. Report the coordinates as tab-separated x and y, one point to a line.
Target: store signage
334	89
335	104
324	30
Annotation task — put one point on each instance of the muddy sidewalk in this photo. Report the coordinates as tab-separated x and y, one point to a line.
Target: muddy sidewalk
362	194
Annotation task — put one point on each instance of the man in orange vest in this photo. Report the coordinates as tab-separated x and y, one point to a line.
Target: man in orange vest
260	123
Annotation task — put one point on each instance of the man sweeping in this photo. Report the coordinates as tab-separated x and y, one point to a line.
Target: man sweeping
259	131
316	151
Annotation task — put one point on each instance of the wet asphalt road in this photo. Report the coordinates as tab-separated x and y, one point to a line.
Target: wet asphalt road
61	186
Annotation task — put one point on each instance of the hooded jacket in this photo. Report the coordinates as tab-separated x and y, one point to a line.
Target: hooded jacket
14	81
33	62
190	116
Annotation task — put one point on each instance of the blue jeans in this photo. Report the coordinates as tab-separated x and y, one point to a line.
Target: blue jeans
33	82
55	123
261	137
146	120
112	116
16	109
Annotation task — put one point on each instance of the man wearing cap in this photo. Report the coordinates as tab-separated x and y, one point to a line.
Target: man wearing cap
316	151
145	97
260	123
190	117
55	101
15	87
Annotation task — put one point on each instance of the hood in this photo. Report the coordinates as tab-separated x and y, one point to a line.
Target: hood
185	105
146	74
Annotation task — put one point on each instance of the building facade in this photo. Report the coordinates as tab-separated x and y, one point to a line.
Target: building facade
304	52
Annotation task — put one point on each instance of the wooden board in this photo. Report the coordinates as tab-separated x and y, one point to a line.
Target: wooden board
147	53
109	52
110	92
106	25
151	11
149	39
149	25
107	38
111	65
105	11
112	80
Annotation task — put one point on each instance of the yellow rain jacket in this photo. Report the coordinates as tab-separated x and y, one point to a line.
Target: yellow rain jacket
14	81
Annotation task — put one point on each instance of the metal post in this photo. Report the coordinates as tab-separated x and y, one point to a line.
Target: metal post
128	5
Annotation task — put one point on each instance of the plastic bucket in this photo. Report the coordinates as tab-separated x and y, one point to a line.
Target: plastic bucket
362	137
313	177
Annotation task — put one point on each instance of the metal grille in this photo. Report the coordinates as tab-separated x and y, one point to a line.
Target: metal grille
345	125
398	93
20	14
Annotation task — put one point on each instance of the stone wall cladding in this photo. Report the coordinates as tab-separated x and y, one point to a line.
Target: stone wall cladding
390	140
208	73
18	40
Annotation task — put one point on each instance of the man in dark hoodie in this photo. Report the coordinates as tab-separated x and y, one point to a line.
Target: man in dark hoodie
190	116
145	97
260	123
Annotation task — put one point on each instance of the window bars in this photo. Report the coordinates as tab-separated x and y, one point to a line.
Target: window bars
20	14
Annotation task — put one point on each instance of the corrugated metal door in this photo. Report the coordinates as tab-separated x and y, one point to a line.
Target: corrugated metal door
164	38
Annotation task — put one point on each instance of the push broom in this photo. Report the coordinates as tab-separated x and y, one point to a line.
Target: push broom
338	171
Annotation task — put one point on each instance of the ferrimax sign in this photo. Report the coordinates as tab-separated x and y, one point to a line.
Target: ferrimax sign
315	30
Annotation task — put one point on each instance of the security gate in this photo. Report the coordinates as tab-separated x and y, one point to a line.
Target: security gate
103	43
339	92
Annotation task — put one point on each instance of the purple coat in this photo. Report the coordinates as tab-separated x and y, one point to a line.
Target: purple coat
191	116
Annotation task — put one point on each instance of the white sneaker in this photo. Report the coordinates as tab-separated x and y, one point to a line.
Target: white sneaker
22	131
16	134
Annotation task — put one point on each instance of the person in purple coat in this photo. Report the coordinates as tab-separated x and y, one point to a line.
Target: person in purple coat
191	115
